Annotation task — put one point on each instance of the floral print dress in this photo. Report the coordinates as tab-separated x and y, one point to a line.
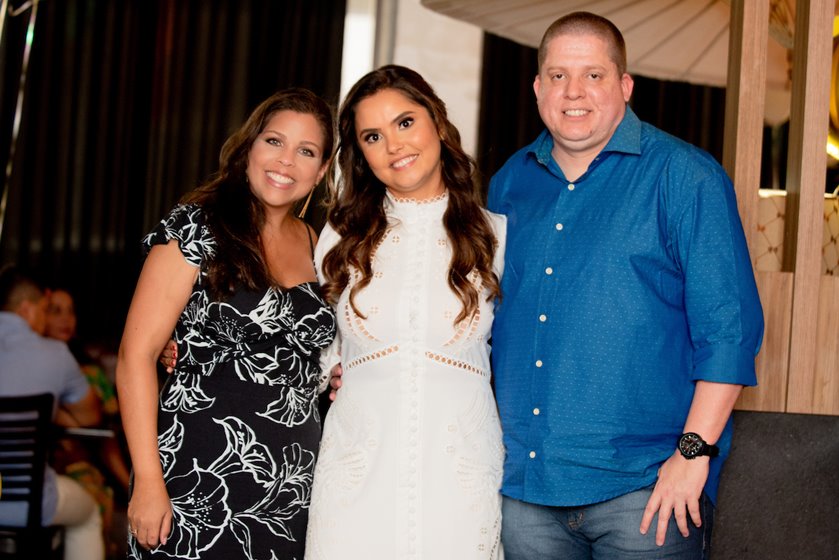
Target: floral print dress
238	420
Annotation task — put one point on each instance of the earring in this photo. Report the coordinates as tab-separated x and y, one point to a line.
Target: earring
306	204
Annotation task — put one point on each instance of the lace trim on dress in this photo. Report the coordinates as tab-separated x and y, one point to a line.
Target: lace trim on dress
495	537
356	321
372	356
460	364
442	196
471	324
379	243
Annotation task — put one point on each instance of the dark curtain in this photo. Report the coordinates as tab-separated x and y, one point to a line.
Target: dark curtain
127	104
509	119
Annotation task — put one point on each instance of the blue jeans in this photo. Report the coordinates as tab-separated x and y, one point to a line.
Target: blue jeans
607	530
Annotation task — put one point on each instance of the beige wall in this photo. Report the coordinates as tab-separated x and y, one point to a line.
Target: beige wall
447	53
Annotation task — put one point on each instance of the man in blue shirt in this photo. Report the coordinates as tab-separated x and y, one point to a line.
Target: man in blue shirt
31	364
629	322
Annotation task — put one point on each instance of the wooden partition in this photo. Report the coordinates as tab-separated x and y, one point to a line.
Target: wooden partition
798	365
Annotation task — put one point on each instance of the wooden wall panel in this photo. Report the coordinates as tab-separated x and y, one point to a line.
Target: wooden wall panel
826	385
798	366
770	395
744	102
812	54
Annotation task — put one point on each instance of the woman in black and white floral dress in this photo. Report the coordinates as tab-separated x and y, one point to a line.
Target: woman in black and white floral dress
223	460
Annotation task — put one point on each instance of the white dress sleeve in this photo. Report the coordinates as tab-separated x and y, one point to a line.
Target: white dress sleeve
499	227
331	355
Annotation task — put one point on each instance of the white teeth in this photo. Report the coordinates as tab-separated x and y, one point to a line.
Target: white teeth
403	162
576	112
284	179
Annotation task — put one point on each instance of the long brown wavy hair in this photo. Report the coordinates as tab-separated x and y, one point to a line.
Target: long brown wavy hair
234	214
357	209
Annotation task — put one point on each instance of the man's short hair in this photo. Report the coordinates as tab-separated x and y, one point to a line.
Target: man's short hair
579	23
16	287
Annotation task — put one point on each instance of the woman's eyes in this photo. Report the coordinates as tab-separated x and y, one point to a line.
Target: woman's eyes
278	143
373	137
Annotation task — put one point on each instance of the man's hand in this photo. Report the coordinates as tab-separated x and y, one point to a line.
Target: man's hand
677	491
335	381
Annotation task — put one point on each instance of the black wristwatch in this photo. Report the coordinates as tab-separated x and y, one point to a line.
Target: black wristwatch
692	445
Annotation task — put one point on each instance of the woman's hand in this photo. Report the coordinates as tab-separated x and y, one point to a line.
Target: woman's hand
169	357
335	381
150	513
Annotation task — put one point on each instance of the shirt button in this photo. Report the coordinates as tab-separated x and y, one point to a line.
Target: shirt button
559	227
543	318
536	412
549	271
532	454
571	187
538	363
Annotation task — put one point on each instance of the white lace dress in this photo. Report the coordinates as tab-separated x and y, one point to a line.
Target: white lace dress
411	456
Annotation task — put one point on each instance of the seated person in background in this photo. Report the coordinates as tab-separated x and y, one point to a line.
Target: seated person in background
32	364
61	325
98	464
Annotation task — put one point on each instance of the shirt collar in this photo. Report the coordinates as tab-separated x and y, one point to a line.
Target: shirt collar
626	139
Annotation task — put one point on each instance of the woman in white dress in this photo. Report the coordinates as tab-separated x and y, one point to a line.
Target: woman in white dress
411	455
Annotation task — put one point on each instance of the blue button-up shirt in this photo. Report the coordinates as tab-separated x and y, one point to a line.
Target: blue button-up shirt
621	289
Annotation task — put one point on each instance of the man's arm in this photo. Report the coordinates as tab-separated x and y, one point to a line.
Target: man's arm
85	412
725	324
680	481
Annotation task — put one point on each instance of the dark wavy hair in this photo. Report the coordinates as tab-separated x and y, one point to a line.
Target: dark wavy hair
234	214
357	208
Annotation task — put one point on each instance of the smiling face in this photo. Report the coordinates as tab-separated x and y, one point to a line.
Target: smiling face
400	143
285	161
580	94
61	316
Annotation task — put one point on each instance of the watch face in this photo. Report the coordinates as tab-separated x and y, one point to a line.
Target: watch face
690	445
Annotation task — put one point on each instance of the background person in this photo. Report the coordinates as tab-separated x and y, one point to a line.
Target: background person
97	463
32	364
